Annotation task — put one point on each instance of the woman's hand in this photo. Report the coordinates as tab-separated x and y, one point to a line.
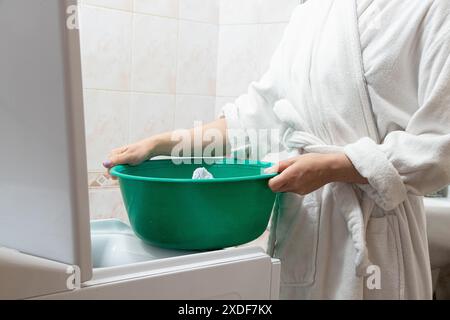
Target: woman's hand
307	173
132	154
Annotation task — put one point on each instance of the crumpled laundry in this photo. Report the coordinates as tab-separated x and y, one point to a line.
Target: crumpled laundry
202	173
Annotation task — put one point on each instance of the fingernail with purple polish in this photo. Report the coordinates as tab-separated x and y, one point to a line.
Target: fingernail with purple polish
107	163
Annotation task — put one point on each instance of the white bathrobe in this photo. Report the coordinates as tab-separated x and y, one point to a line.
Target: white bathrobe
371	79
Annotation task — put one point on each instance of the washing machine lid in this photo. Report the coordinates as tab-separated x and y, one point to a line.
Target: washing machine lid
44	208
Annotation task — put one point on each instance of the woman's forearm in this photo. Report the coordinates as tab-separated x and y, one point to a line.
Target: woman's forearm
343	170
164	144
197	138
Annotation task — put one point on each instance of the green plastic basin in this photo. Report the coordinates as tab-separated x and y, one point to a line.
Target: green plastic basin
166	208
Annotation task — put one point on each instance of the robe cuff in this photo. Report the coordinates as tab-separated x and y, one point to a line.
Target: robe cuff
385	187
236	133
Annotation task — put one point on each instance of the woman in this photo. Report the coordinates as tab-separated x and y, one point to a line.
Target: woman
361	90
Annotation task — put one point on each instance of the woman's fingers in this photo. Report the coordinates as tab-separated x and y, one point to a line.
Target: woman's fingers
280	183
280	167
276	186
108	163
120	150
116	159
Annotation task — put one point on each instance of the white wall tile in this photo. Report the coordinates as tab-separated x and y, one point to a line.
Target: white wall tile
239	11
115	4
270	37
107	204
150	114
106	48
165	8
277	10
154	54
221	102
193	108
197	58
199	10
106	117
237	59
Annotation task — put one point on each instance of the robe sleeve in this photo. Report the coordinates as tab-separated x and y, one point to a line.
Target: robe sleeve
417	160
251	120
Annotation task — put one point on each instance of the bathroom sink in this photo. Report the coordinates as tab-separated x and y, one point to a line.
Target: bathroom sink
438	224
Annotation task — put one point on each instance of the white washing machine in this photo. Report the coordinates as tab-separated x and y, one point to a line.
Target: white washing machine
48	247
126	268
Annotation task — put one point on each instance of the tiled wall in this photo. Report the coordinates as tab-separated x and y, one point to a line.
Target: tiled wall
154	65
148	66
249	33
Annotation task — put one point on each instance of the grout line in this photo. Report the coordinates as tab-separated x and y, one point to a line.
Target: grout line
147	14
234	97
87	5
176	67
218	56
149	92
90	5
113	187
130	97
260	56
218	23
251	24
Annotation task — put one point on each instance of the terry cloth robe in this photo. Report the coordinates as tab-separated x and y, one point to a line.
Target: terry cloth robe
382	97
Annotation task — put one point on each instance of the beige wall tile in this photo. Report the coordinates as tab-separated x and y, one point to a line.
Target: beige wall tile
193	108
270	37
277	10
199	10
105	48
154	54
239	11
150	114
115	4
238	59
107	204
106	117
197	58
165	8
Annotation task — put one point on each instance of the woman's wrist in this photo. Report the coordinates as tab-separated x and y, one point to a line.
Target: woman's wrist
341	169
155	145
160	144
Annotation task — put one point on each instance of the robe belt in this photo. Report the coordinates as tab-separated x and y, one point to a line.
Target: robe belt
344	194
